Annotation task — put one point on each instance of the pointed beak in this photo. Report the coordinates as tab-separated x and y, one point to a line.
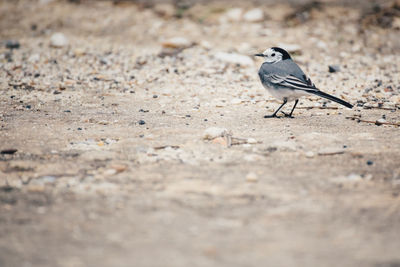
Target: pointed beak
259	55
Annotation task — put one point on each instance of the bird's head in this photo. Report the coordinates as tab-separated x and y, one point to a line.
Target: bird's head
274	54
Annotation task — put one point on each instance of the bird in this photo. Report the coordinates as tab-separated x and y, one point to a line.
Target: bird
285	80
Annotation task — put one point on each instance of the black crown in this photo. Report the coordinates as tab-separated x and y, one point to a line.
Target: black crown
285	54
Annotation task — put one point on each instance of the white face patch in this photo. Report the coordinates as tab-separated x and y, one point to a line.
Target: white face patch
272	56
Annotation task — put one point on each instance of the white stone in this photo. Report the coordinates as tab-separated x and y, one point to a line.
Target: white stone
58	40
177	42
110	172
214	132
251	141
309	154
380	121
354	177
254	15
234	14
234	58
252	177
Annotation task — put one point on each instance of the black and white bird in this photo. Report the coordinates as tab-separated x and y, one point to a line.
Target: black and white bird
284	80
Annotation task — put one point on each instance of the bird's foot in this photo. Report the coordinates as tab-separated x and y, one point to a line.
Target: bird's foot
287	115
271	116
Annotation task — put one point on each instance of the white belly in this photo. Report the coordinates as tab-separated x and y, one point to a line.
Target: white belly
281	93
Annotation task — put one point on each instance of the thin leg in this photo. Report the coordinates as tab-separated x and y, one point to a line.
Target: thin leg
276	111
291	112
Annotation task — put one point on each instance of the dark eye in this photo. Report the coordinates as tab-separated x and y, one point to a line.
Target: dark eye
273	54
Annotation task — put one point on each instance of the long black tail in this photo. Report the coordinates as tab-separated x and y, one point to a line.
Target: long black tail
331	97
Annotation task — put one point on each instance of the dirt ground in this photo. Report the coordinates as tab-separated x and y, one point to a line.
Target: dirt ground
113	166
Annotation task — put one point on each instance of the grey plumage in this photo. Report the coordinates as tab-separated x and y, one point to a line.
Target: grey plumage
282	68
284	79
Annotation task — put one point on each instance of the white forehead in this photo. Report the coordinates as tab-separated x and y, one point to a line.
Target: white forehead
269	51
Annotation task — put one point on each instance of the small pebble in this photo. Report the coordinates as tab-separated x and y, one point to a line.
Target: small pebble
11	44
251	141
254	15
119	167
354	177
252	177
309	154
177	42
234	14
104	61
333	68
58	40
110	172
380	121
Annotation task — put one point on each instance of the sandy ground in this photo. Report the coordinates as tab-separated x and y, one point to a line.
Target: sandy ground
112	168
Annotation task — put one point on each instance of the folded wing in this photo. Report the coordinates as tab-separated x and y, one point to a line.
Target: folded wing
292	82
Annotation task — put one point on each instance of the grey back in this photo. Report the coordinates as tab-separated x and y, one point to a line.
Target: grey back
282	68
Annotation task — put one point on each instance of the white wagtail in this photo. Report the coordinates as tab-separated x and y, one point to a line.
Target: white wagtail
284	80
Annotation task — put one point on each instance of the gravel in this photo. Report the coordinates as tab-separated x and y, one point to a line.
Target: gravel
147	86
